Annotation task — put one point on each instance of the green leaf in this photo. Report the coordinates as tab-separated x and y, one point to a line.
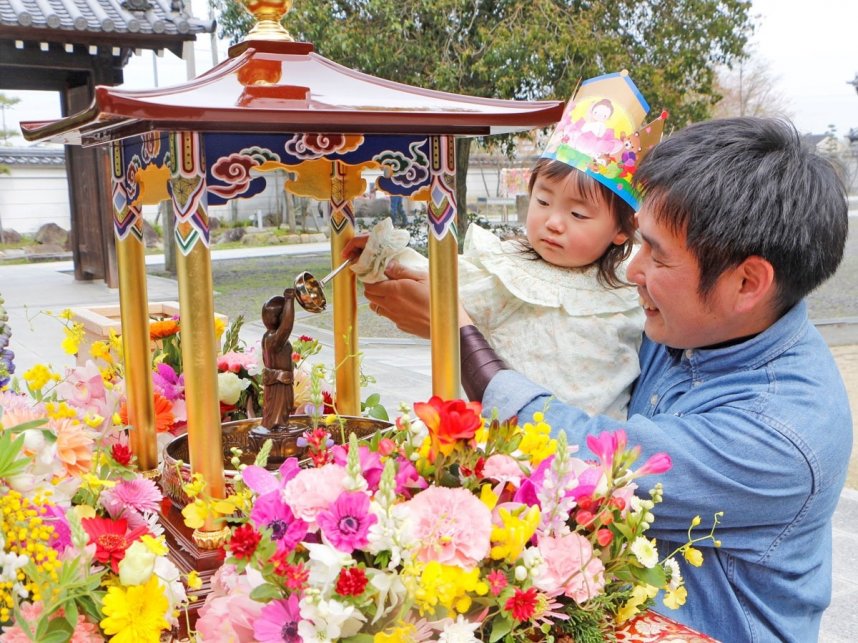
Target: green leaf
501	626
654	576
372	400
10	449
265	593
378	412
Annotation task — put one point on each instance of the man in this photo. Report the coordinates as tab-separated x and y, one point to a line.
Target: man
738	224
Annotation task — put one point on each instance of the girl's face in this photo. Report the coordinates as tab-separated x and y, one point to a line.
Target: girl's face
567	228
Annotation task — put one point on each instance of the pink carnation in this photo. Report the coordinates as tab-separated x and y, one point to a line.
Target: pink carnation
452	526
314	490
570	567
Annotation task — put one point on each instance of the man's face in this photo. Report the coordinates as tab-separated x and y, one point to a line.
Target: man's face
667	277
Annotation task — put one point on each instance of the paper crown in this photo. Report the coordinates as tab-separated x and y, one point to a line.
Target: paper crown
601	133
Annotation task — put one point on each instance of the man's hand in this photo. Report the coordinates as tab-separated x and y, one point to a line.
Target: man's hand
404	300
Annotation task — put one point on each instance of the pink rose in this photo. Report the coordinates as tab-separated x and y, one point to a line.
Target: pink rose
451	526
571	567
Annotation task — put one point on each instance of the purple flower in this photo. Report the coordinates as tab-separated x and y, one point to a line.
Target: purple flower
261	481
56	517
278	622
370	463
407	478
270	511
171	385
346	523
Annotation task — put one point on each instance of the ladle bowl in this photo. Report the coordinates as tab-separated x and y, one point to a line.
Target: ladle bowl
309	291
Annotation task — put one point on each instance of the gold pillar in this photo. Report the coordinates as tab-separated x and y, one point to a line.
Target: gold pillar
443	269
345	298
444	315
134	315
196	312
199	363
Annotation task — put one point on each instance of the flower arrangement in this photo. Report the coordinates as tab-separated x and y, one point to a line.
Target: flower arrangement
82	555
449	527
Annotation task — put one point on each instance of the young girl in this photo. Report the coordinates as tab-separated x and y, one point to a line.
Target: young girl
555	305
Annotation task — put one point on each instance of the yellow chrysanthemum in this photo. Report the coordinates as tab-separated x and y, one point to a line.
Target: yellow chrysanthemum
518	528
135	614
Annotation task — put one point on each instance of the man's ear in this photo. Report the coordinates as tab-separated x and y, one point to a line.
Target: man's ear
755	281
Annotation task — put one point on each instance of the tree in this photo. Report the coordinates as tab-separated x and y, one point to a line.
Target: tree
7	102
750	89
531	50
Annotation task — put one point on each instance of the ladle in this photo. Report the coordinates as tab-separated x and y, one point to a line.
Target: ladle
308	289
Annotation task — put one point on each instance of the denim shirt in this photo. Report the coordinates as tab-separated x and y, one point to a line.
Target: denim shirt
760	430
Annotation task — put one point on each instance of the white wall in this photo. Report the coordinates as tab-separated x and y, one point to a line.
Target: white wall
31	197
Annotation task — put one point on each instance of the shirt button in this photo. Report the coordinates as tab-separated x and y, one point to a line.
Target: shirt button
653	400
689	353
696	383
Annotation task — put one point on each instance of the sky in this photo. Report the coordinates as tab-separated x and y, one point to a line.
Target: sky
811	50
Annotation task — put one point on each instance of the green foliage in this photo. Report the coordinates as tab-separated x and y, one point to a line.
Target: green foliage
527	50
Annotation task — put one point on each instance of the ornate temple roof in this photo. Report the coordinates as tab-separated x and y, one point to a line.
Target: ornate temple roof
272	86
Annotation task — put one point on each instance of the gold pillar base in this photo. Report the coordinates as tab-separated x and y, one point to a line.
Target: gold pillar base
209	540
151	474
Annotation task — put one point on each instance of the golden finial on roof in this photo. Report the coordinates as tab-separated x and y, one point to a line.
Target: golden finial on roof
268	14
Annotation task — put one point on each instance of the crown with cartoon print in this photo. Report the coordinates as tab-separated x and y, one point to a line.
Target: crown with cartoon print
601	133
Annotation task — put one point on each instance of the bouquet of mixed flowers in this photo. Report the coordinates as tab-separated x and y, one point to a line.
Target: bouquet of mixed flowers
448	527
82	555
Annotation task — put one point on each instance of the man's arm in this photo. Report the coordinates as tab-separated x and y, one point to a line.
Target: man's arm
725	459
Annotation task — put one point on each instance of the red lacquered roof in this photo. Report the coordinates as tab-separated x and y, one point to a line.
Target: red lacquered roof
270	86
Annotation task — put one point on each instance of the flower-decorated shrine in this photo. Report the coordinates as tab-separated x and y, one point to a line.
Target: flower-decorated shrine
275	104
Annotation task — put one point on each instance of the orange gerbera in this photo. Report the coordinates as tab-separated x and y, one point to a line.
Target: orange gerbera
164	418
74	446
164	328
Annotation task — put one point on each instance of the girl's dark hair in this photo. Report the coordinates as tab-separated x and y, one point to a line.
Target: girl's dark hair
608	264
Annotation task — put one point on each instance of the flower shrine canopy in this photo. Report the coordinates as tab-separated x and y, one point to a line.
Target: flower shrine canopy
275	104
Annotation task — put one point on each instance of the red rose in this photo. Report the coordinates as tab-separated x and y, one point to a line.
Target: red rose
449	421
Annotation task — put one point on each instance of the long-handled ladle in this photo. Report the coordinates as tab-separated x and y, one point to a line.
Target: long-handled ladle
309	290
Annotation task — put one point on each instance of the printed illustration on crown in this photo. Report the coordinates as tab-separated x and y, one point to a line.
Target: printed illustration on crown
601	133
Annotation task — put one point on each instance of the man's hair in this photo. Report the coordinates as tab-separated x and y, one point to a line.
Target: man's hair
742	187
608	265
